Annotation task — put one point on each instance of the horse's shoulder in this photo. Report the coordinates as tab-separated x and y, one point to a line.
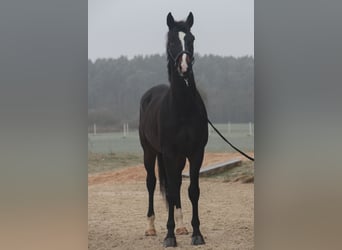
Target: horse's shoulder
161	88
154	93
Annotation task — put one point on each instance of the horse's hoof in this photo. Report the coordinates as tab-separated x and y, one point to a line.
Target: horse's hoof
181	231
150	232
197	240
170	242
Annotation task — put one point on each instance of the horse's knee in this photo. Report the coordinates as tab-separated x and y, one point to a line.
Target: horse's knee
194	193
151	182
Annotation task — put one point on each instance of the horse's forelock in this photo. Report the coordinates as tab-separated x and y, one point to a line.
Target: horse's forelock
180	26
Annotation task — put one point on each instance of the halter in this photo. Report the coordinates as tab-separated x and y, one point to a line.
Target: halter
175	59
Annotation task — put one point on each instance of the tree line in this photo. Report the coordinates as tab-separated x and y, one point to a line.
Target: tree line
115	87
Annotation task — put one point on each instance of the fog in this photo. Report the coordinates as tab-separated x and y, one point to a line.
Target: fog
118	27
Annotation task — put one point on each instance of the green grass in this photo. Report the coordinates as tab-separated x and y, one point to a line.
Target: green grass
109	151
98	162
240	173
106	162
116	143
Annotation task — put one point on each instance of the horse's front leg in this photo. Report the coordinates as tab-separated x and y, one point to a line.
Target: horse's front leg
194	193
170	239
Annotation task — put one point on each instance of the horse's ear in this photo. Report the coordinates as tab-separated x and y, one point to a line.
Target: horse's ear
170	20
190	20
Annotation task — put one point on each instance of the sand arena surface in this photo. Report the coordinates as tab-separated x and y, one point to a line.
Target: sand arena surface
117	207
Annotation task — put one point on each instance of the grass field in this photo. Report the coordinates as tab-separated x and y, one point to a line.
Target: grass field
109	151
117	143
101	162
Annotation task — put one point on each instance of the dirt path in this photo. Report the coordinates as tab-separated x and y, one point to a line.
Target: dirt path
117	206
137	173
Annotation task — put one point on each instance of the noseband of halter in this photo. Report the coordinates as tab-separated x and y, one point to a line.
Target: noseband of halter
175	59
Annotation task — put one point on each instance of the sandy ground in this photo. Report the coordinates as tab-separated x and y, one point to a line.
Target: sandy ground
117	207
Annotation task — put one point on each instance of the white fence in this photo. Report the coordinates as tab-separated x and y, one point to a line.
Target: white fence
227	129
233	128
127	139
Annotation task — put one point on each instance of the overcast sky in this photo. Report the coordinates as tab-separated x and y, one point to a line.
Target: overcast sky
133	27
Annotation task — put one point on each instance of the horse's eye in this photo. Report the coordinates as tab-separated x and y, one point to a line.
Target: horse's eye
190	40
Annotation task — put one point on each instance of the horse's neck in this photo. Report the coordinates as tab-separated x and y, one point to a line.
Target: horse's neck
183	96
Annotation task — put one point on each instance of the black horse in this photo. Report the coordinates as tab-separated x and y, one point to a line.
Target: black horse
173	126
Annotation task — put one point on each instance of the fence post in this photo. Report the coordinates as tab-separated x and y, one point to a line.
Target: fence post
124	130
127	129
250	129
94	130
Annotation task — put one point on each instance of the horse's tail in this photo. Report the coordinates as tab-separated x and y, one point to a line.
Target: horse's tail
162	175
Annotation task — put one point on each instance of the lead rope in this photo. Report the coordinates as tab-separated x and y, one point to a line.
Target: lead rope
187	84
218	132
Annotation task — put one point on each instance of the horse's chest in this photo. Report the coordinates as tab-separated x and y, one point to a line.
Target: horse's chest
186	139
185	135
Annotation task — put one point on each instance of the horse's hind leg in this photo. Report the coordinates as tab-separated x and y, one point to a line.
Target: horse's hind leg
173	166
180	229
149	162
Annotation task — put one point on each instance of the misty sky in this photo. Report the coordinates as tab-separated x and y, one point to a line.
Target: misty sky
128	27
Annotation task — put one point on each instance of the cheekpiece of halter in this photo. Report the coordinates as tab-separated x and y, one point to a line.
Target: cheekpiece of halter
175	59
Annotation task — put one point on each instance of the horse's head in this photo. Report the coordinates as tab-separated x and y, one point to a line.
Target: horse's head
180	44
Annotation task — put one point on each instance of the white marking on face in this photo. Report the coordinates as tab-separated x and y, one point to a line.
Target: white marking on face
184	64
181	36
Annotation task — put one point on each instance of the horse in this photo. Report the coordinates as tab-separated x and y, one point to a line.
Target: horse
173	127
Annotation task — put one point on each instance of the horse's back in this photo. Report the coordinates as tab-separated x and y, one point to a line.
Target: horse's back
149	116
